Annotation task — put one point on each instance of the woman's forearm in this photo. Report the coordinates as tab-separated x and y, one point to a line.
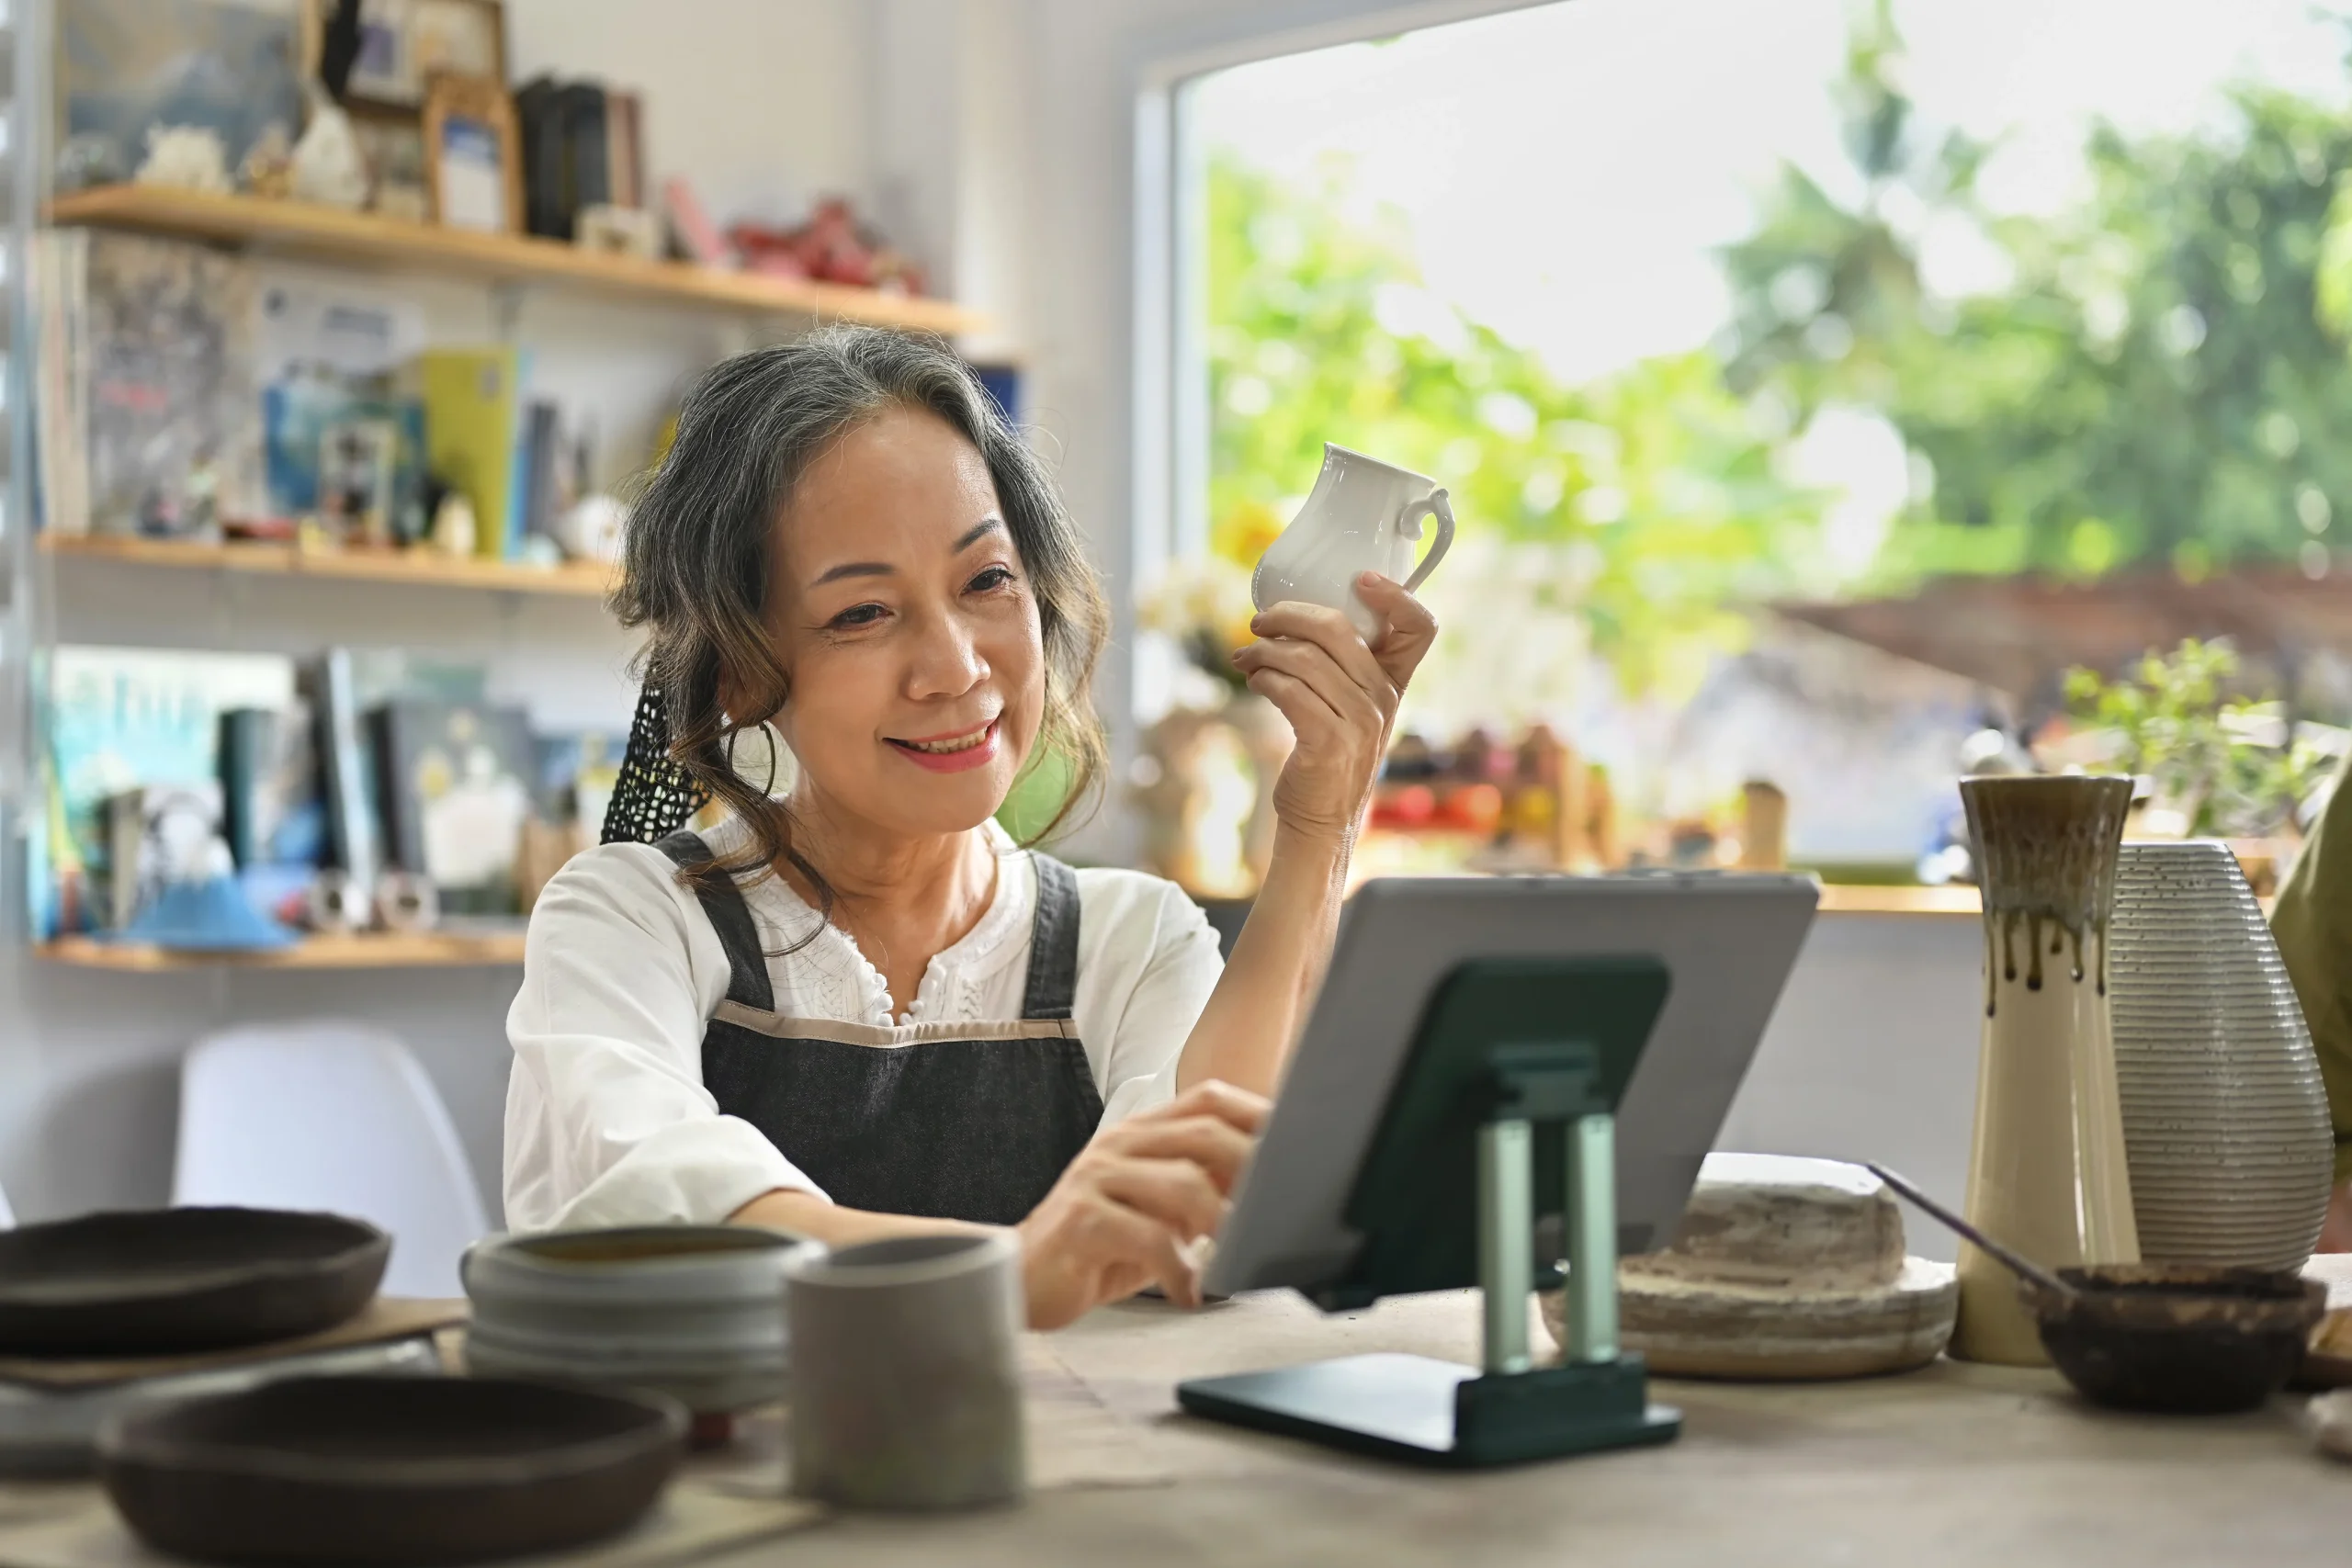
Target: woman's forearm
1245	1033
805	1214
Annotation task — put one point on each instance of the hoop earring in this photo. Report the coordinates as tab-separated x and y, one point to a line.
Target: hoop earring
775	740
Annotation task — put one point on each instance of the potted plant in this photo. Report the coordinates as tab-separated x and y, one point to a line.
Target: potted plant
2210	763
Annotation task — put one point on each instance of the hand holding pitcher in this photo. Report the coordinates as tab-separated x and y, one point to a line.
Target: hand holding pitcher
1341	634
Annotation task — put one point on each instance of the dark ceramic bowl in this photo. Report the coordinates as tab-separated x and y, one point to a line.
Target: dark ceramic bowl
2182	1337
165	1281
389	1472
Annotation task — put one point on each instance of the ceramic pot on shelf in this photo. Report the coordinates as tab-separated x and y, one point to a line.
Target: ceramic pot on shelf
2047	1167
2224	1116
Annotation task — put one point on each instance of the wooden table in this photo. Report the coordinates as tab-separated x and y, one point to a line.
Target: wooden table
1954	1464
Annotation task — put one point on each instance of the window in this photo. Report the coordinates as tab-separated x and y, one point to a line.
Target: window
1815	382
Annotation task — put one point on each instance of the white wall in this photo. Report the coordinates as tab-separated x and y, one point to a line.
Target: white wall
759	102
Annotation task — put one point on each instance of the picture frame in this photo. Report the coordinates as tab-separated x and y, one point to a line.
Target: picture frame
404	44
393	145
473	156
359	460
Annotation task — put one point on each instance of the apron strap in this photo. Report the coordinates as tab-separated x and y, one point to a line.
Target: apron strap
747	960
1053	941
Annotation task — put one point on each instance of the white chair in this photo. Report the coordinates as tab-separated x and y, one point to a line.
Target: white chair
335	1116
8	1216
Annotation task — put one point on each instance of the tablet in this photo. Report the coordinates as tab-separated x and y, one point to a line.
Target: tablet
1727	942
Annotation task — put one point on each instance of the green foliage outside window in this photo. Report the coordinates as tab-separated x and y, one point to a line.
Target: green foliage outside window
1652	493
2155	387
2162	385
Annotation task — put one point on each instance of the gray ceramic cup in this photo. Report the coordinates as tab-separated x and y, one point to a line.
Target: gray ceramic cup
906	1373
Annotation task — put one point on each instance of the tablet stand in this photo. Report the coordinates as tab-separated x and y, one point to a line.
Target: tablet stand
1507	1410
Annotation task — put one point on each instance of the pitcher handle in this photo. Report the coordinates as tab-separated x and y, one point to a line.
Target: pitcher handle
1409	523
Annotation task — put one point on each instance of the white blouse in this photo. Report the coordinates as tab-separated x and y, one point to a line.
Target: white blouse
607	1120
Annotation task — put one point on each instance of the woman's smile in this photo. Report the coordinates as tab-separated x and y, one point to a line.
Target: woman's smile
953	754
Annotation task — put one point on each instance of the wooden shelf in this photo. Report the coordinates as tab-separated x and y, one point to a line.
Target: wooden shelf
365	239
421	568
1850	899
419	950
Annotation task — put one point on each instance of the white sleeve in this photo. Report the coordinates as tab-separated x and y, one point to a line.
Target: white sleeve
1157	946
607	1120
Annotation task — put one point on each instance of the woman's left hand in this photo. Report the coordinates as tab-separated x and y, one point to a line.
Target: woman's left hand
1340	697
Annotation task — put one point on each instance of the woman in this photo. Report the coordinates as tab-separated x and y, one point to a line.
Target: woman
858	1009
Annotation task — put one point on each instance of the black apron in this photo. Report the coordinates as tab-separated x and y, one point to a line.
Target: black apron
949	1120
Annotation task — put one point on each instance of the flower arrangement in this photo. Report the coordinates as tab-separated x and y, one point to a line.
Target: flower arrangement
1245	532
1204	606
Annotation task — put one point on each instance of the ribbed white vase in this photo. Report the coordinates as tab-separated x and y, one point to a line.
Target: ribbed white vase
2226	1120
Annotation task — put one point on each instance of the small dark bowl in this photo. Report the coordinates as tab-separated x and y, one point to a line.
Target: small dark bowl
165	1281
2181	1338
389	1472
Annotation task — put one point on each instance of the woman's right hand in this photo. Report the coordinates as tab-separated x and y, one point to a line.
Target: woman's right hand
1124	1212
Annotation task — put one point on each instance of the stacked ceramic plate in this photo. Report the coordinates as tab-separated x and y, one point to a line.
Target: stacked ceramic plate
694	1311
1782	1269
2224	1116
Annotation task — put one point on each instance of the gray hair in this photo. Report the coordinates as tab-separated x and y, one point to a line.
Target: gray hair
696	565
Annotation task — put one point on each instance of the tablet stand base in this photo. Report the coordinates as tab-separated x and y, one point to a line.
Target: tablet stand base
1431	1411
1441	1413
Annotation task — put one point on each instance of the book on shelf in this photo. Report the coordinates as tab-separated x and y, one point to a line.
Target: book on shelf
456	786
119	719
271	809
588	177
473	436
582	146
536	121
624	148
172	410
543	479
343	685
148	421
273	814
157	833
61	470
692	234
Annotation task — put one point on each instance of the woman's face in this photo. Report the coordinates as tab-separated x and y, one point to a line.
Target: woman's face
904	618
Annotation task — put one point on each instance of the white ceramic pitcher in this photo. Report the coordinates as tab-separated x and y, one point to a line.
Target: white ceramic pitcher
1363	516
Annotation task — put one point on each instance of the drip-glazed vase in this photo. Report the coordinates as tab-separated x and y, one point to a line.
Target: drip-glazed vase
2047	1171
